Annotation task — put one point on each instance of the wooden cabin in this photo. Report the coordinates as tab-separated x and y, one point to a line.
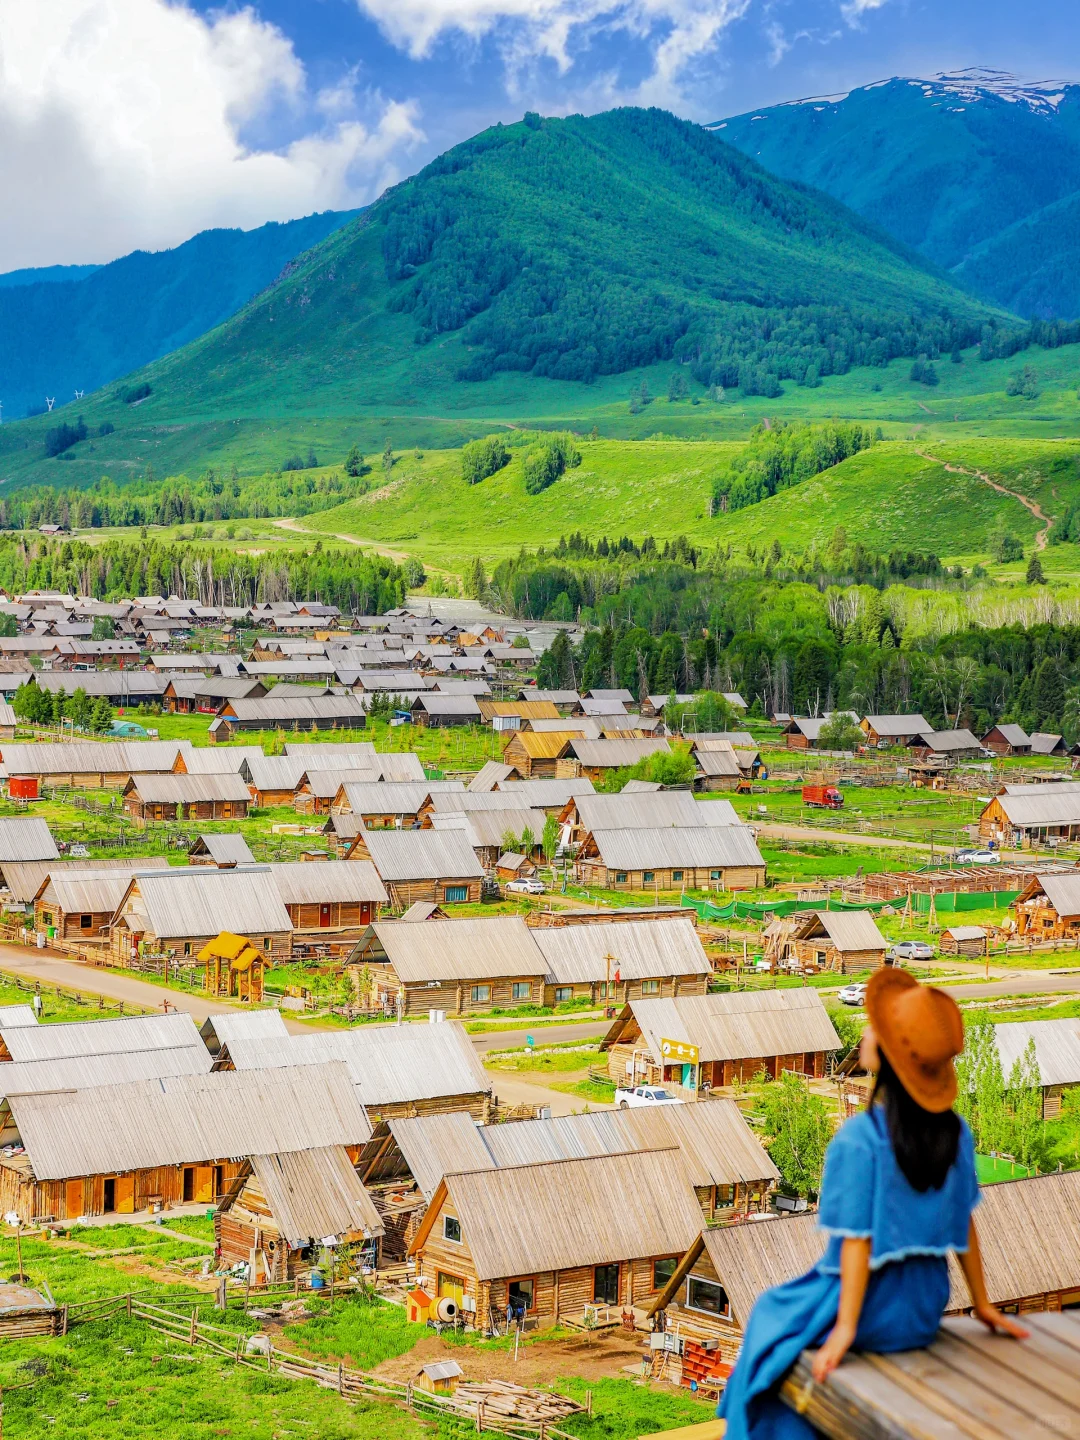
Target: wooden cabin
1048	907
512	865
489	830
967	940
397	1070
1043	743
705	1042
176	912
165	1142
596	759
201	694
461	967
279	1210
224	850
1007	740
90	764
235	969
1026	814
384	805
273	779
618	962
79	905
540	754
438	865
843	940
514	714
329	903
702	857
636	809
881	731
320	712
186	797
576	1252
433	710
1057	1054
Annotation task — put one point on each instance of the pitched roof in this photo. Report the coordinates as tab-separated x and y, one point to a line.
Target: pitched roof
638	949
1043	743
487	827
543	744
752	1258
11	1015
1057	1048
386	798
313	1194
306	882
944	741
489	774
472	949
1063	892
227	848
275	772
173	1119
737	1026
25	878
84	1072
218	1030
388	1064
637	811
201	900
701	847
435	703
205	759
568	1213
270	712
188	789
898	725
847	929
1036	805
1012	734
90	757
88	891
74	1038
616	753
1029	1235
26	838
422	855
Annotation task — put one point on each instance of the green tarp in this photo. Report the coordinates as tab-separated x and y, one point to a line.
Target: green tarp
950	903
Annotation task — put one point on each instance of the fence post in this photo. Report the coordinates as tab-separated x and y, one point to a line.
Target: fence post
194	1323
64	1320
127	1299
340	1379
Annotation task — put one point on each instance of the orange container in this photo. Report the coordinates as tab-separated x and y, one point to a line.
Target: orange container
23	787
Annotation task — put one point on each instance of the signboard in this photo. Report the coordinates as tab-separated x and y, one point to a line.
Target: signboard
679	1052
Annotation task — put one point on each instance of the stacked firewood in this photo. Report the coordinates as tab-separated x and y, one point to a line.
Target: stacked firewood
502	1397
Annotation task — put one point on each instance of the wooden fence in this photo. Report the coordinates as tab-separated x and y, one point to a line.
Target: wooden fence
186	1327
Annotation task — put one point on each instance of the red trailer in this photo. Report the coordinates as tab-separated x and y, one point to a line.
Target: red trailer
822	797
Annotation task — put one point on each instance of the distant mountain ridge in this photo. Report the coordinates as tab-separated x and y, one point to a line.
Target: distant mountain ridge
59	334
977	170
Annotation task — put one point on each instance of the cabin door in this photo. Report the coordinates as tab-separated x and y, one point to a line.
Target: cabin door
204	1184
324	916
73	1199
124	1193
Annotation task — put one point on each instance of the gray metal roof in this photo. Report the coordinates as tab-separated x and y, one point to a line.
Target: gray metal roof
325	784
638	949
601	694
1043	743
943	742
274	772
701	847
422	855
326	882
403	766
1042	805
473	949
737	1026
1063	892
557	697
547	794
88	891
91	757
898	725
965	932
641	787
213	759
720	739
173	1119
340	754
388	1064
436	703
488	776
73	1038
1057	1048
25	878
616	753
487	827
597	708
226	848
12	1015
188	789
1013	734
218	1030
475	802
722	763
200	900
85	1072
650	811
313	1194
271	712
848	929
381	797
26	838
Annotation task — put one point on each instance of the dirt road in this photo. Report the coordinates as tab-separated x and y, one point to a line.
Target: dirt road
842	837
1029	505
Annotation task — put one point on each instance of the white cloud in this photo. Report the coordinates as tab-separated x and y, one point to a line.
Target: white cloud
679	31
122	125
854	10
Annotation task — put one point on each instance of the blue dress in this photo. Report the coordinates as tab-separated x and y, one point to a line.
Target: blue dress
864	1195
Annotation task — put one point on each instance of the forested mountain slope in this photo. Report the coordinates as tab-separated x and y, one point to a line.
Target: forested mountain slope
947	165
60	333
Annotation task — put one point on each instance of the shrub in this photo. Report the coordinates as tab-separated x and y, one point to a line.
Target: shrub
543	466
62	437
135	392
481	458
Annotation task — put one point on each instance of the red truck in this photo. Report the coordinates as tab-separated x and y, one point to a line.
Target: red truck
822	797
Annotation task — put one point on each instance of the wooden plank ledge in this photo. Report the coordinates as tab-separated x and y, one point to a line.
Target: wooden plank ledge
967	1385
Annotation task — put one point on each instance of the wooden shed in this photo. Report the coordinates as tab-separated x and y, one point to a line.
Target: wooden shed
704	1042
969	940
622	961
186	797
881	731
575	1252
273	779
1057	1054
597	759
176	912
224	851
843	940
280	1211
1048	907
1005	739
512	865
79	904
163	1142
1026	814
512	714
321	712
438	865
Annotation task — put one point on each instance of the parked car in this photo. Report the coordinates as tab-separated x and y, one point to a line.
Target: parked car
528	886
644	1095
911	950
853	994
977	857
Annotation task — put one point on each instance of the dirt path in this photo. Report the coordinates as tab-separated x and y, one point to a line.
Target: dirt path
398	556
1030	505
842	837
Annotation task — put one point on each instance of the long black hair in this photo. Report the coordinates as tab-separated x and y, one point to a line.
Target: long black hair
924	1144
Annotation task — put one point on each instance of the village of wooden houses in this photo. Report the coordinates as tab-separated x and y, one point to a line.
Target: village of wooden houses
387	1031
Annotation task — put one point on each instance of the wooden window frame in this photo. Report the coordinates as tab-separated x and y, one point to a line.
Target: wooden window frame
724	1314
516	1280
650	987
521	986
476	997
451	1239
563	994
673	1260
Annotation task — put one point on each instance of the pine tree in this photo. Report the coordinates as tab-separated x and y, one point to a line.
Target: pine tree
1034	575
476	579
354	462
1048	695
388	457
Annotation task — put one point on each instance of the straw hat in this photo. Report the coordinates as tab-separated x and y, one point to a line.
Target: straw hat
920	1030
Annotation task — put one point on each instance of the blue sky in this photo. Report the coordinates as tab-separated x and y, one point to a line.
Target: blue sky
128	123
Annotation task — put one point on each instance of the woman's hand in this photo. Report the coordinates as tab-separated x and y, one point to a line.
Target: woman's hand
830	1354
998	1323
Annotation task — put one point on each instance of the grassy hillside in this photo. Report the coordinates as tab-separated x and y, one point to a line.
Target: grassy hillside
888	497
539	269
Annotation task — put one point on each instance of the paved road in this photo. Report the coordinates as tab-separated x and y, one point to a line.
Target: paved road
1038	982
542	1034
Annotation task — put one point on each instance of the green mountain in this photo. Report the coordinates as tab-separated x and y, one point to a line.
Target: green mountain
559	251
978	172
66	328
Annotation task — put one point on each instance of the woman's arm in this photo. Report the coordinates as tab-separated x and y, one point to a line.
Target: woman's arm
854	1277
990	1315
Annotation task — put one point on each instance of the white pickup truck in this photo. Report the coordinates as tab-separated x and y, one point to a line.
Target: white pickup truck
644	1095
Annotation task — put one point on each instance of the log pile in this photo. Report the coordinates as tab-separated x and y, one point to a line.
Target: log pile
503	1398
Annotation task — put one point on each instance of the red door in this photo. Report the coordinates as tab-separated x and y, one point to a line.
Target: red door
324	916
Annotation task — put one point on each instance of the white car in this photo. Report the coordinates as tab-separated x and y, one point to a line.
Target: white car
644	1095
977	857
526	887
853	994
